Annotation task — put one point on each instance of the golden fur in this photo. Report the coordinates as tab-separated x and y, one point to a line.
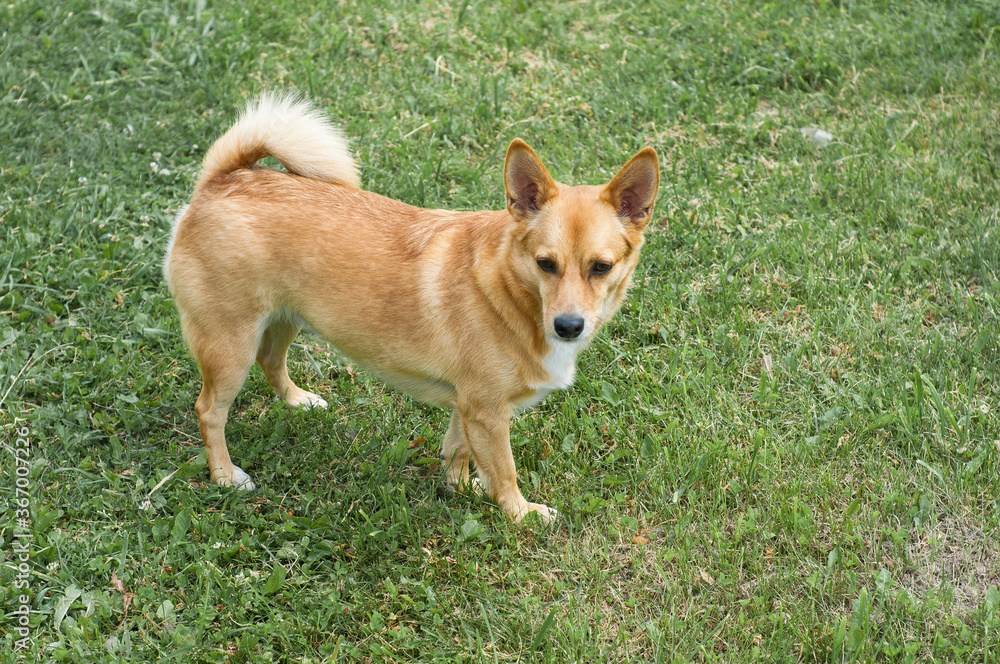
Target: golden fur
481	312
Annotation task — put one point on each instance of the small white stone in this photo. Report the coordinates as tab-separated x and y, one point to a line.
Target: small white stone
818	137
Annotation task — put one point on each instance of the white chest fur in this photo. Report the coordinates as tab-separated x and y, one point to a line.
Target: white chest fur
561	365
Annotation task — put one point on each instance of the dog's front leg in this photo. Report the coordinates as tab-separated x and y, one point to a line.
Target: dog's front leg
487	431
455	453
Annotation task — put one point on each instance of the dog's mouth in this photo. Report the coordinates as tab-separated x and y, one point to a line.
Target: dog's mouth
575	341
578	342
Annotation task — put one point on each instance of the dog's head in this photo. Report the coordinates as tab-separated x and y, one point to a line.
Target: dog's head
577	246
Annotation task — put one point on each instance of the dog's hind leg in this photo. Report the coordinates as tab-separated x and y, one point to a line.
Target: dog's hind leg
225	359
272	354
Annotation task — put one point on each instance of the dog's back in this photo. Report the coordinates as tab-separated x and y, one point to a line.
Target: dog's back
283	126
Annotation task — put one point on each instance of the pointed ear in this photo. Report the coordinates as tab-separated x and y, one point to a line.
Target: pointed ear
529	186
633	191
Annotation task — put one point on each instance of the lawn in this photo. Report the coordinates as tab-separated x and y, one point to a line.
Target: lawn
786	447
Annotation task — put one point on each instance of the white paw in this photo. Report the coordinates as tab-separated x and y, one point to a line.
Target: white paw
307	400
547	515
243	481
238	479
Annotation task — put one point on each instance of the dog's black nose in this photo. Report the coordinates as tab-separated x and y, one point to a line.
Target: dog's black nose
569	327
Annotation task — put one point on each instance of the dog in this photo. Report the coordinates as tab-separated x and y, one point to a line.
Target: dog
481	312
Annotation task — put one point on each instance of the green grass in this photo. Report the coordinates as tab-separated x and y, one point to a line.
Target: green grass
786	447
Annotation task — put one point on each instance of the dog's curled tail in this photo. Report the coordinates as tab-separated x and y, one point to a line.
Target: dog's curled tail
290	129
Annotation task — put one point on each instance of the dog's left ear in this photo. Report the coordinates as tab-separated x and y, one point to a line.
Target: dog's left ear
633	191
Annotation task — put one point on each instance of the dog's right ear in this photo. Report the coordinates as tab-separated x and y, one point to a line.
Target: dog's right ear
529	186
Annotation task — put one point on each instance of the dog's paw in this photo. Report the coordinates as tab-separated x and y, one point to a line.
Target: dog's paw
471	485
547	515
238	479
243	481
306	400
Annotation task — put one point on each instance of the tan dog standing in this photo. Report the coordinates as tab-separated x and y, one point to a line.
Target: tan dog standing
482	312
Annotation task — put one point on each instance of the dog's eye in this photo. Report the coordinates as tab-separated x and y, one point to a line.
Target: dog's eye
546	264
600	267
